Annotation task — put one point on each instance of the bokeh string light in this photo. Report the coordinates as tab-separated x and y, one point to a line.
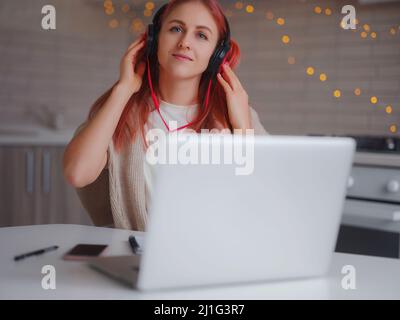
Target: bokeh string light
133	10
365	31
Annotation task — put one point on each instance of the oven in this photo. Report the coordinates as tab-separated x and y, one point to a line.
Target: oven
371	215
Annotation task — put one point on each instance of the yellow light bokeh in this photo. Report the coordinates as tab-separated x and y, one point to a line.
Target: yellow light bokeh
249	8
285	39
373	35
137	25
337	93
147	13
374	100
149	5
388	109
291	60
363	34
109	11
113	23
366	27
328	11
108	4
125	8
310	71
317	10
280	21
393	128
323	77
392	31
357	91
239	5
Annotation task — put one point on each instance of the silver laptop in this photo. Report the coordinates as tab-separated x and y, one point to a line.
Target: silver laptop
212	224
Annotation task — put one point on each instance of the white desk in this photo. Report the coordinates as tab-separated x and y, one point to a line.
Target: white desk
376	278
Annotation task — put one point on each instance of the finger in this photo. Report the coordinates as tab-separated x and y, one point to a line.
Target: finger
134	43
136	46
224	84
233	79
227	78
131	53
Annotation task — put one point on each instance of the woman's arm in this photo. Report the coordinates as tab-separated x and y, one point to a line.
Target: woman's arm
86	155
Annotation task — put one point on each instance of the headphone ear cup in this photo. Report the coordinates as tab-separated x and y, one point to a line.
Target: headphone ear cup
150	40
152	32
216	60
221	59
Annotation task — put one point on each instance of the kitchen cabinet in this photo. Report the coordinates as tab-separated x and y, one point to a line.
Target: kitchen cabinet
33	189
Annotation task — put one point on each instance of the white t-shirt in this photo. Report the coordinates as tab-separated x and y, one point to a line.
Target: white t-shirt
182	115
170	112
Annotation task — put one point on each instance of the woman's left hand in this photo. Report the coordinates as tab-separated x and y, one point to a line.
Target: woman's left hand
236	98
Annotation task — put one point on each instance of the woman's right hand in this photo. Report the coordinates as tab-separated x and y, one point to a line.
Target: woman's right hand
130	79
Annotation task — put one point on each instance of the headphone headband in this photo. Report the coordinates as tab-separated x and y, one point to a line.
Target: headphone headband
157	16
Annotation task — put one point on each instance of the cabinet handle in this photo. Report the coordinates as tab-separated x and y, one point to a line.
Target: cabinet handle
46	166
30	172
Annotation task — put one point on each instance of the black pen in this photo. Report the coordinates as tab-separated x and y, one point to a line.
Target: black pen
34	253
134	245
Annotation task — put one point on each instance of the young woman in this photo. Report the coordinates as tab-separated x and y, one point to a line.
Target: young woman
176	80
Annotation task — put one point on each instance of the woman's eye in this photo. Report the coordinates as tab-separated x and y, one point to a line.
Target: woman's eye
204	36
175	28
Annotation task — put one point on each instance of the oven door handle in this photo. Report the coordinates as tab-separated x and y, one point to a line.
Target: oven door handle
375	210
396	215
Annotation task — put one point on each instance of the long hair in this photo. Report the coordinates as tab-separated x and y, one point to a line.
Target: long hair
138	108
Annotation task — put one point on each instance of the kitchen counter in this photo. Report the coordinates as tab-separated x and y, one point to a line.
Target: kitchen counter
34	136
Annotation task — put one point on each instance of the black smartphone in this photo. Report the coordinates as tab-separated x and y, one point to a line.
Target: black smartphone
84	251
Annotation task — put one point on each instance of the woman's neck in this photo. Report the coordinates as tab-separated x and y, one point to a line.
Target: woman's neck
183	92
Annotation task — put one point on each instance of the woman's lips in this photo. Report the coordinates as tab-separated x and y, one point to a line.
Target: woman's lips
181	58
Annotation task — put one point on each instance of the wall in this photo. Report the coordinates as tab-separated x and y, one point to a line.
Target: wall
65	70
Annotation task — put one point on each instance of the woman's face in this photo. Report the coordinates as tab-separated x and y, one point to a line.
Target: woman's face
188	30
